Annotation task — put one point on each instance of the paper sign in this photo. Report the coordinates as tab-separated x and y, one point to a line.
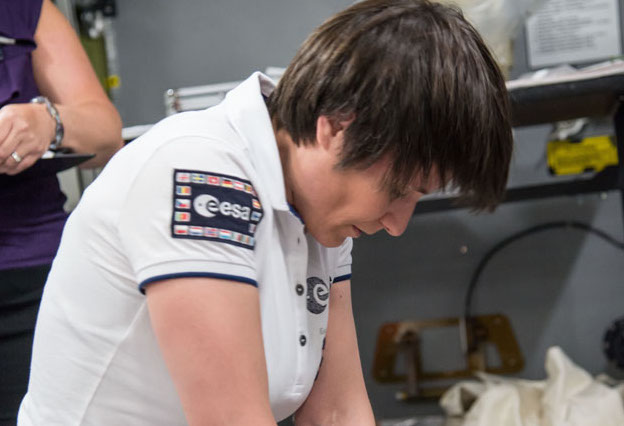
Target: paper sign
573	31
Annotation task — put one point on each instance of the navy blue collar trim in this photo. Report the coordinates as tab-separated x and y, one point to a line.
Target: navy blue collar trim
295	213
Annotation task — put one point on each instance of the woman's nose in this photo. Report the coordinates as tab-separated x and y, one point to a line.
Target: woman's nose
395	221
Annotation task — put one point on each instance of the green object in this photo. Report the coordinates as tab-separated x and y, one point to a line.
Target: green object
96	51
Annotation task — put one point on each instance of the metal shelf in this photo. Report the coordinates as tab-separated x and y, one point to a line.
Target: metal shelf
594	97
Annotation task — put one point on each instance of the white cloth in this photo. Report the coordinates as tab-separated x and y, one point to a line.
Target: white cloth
95	357
568	397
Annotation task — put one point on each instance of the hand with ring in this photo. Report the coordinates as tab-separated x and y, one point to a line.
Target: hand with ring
16	157
26	131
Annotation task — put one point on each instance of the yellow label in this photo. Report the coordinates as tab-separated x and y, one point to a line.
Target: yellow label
592	153
113	81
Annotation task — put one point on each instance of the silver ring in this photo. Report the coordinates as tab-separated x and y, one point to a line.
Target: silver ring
16	157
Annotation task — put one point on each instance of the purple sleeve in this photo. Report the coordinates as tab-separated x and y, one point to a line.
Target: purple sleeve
18	20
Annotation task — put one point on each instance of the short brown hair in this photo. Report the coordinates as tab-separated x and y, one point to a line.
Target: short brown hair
422	86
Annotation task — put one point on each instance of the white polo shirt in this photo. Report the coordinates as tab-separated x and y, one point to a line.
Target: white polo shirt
201	194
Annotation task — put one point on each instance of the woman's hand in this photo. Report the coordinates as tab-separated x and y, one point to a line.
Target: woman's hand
26	131
64	75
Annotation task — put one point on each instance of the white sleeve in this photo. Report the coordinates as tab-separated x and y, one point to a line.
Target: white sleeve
343	267
191	212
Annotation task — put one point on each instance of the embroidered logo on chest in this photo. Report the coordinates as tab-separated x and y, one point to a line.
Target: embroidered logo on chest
318	295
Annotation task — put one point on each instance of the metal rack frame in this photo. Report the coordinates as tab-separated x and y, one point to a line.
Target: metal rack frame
547	103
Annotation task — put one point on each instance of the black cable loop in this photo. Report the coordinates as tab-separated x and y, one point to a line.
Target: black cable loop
514	237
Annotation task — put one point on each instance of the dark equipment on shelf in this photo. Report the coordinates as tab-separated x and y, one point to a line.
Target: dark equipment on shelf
613	343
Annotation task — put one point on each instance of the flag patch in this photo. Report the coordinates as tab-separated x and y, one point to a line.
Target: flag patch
180	229
196	230
182	203
211	232
198	178
183	177
183	190
215	207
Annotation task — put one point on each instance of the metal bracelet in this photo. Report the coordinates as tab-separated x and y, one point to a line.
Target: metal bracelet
60	130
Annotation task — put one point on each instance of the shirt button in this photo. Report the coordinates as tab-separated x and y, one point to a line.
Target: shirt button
302	340
299	289
298	240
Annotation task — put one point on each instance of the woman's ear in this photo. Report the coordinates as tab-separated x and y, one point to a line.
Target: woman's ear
330	131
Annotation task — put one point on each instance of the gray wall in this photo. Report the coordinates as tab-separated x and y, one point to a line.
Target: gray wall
558	288
167	44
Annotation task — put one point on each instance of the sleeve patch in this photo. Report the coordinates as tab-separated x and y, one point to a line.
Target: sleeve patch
215	207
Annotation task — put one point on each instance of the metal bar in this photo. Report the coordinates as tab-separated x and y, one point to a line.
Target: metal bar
609	179
565	101
207	89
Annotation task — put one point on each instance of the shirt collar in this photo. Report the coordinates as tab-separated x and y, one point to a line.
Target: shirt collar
249	116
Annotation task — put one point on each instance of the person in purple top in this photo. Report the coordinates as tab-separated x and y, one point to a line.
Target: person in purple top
50	98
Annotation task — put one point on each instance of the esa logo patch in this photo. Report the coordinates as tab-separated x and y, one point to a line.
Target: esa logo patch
209	206
318	295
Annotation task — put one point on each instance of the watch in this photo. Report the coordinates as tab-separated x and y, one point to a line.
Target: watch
60	130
